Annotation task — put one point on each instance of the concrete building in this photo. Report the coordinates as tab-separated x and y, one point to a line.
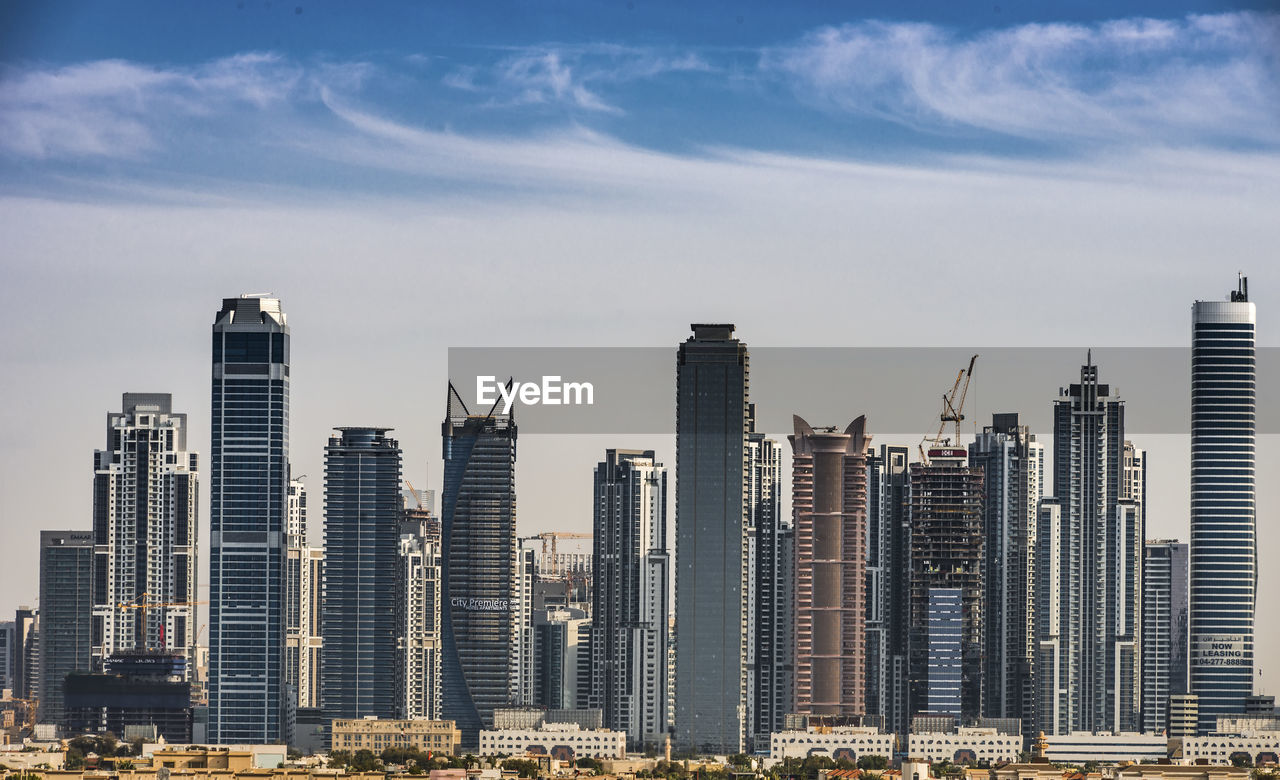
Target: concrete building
249	495
304	571
362	476
136	688
1089	567
770	588
828	498
440	737
564	741
146	503
1170	772
888	592
1165	621
947	634
965	744
835	742
1184	715
713	548
418	656
1261	748
1012	464
66	604
1080	747
525	661
26	653
1224	547
478	620
562	648
630	598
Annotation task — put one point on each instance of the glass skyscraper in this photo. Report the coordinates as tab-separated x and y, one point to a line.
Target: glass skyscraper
712	542
1223	534
248	497
362	549
66	572
1164	630
479	614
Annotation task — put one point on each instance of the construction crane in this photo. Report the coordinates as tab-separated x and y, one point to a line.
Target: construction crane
552	537
952	411
144	605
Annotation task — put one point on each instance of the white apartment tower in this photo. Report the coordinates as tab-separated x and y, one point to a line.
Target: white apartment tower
303	571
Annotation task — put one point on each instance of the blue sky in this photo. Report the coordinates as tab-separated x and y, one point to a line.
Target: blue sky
411	177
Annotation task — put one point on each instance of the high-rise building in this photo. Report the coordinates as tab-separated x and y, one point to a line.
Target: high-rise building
478	620
947	555
829	509
561	652
66	604
524	663
304	569
8	650
1012	464
771	575
630	595
1165	621
1224	542
1089	567
26	653
713	548
418	611
248	499
362	471
888	590
145	507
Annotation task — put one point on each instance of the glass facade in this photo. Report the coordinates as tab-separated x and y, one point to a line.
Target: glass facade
1223	533
248	495
362	549
1164	630
66	571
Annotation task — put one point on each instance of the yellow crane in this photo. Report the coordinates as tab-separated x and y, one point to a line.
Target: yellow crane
952	411
144	605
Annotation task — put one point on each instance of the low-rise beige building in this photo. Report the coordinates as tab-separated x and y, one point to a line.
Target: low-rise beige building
440	737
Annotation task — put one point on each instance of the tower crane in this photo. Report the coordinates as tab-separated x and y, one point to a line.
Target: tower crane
144	605
952	411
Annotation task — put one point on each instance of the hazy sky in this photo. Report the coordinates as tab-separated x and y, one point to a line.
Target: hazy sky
560	174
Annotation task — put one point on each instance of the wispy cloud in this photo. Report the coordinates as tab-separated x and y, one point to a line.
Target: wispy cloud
1199	79
570	76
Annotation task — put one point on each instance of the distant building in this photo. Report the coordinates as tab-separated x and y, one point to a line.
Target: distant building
835	742
965	745
563	741
947	586
770	588
561	649
418	660
1261	748
8	651
630	598
66	604
888	592
304	571
362	543
26	653
1184	715
1107	748
136	688
1165	609
440	737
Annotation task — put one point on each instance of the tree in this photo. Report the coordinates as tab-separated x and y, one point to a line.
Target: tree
339	759
594	764
873	762
522	766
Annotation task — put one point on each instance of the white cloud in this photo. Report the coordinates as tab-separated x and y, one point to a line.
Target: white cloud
1201	79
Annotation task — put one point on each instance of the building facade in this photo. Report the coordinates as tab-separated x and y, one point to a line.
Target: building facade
828	503
145	519
478	619
418	660
888	592
712	542
630	595
1224	545
770	581
1165	622
563	667
304	569
362	471
1012	464
248	496
439	737
947	556
66	604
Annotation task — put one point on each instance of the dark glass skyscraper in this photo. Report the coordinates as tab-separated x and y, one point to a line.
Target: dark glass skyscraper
1224	544
478	615
362	545
712	542
248	496
888	591
66	574
1165	622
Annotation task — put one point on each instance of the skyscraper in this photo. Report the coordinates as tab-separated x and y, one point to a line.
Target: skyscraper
829	507
304	568
418	611
26	665
1165	621
478	621
1089	566
66	603
630	595
1224	543
248	498
771	576
362	548
712	542
8	650
888	591
1012	464
947	634
145	507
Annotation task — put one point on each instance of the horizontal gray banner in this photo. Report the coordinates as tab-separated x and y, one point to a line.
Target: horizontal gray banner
599	390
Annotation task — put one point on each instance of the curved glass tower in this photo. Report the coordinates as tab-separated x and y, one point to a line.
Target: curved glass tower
1223	535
